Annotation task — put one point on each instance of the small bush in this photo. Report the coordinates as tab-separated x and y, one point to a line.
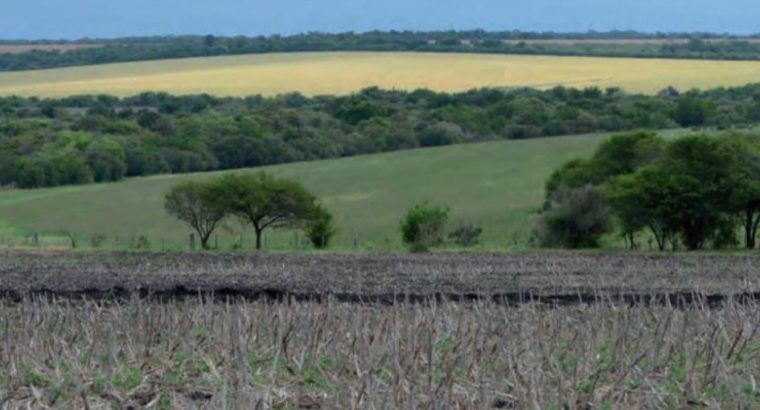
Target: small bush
423	226
142	243
575	218
321	229
97	240
466	235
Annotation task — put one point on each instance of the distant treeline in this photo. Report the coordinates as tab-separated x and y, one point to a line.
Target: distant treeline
83	139
698	46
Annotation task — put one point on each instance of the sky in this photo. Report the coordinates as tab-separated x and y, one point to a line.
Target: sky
72	19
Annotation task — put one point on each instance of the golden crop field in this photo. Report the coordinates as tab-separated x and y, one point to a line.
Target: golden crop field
344	72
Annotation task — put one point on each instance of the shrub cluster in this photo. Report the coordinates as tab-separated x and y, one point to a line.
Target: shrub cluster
259	200
696	191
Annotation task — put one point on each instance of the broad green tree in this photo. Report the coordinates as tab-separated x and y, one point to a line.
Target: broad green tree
195	204
745	201
619	155
265	202
688	194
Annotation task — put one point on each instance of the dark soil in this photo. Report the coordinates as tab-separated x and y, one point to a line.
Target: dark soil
551	278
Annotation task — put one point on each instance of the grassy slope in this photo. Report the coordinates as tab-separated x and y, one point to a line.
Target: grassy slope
497	184
335	73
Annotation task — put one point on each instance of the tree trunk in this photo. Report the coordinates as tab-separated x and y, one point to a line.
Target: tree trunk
632	240
258	238
750	230
660	238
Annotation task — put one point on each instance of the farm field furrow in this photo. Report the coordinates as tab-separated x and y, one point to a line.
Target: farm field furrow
345	72
364	276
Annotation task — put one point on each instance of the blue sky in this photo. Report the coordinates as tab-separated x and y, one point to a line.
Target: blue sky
108	18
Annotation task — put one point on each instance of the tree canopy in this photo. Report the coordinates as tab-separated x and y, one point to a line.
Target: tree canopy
195	203
697	191
265	201
83	139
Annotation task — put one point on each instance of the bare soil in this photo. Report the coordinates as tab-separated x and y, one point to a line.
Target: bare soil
23	48
559	278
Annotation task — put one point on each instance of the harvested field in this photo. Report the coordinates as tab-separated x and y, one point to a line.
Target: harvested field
346	72
84	330
553	277
199	355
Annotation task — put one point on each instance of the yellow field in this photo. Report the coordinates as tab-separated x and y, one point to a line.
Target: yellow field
339	73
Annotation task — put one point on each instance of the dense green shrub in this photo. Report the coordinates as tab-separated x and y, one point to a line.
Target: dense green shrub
575	218
697	191
321	228
466	235
423	226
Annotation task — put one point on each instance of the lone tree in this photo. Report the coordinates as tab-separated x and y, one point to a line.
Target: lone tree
196	204
265	201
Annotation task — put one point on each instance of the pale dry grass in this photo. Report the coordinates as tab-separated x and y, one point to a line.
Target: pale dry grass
241	355
566	277
345	72
64	346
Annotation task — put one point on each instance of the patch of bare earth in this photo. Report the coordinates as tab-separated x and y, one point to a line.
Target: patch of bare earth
25	48
515	278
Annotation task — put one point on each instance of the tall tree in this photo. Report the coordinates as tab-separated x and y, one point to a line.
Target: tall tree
265	201
195	204
687	194
745	201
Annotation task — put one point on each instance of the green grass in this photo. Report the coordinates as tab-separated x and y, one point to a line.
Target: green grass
498	185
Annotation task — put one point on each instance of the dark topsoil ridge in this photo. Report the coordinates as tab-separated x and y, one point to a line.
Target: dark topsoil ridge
549	277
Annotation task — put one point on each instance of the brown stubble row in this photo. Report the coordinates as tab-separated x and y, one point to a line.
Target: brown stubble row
367	276
241	354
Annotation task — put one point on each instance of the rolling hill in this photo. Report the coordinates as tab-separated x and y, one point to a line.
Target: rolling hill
497	184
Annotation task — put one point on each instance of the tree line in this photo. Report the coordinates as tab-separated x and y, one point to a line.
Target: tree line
694	192
263	201
699	46
84	139
259	200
